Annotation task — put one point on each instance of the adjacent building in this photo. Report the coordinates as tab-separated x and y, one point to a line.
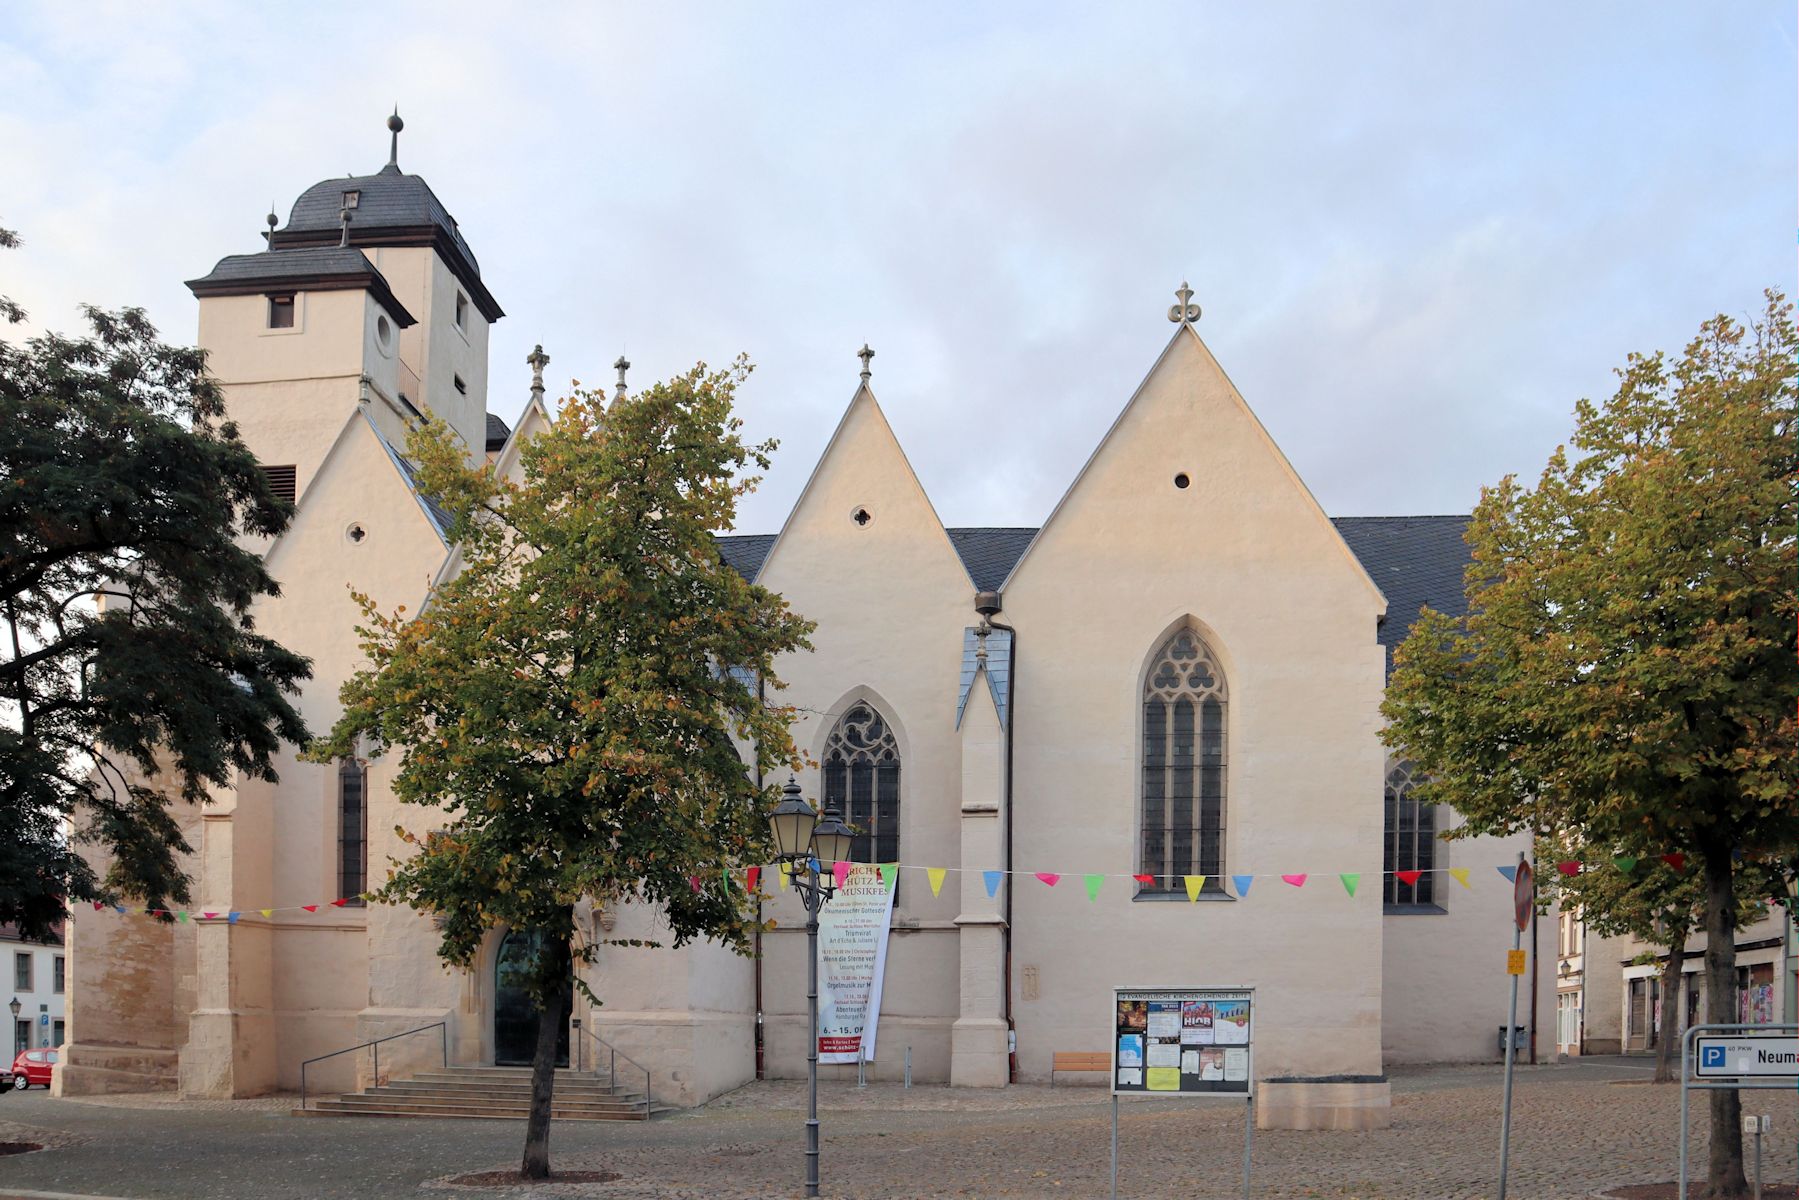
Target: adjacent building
39	985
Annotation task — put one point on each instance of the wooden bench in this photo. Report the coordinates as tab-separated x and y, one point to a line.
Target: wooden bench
1079	1060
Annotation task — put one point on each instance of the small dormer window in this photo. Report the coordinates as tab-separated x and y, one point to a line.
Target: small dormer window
281	311
460	385
461	311
352	199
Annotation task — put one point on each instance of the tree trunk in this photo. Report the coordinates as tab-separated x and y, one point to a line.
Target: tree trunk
1672	1006
555	967
1726	1173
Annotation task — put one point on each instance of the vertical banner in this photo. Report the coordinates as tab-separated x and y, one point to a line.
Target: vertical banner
852	957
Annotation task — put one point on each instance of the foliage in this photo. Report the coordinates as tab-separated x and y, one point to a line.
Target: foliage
1627	674
120	476
569	698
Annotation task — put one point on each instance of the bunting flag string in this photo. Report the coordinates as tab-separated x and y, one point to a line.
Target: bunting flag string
1093	883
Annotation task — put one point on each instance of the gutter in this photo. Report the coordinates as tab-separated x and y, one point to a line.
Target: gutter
988	604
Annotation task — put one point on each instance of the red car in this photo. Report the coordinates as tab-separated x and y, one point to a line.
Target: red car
32	1068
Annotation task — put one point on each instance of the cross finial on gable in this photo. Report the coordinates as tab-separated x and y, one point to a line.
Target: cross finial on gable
1186	312
537	360
622	365
867	356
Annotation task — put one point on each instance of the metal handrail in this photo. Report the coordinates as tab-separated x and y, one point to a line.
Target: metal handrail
612	1067
439	1025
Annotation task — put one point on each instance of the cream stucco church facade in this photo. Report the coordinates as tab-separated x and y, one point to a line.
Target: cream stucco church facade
1178	674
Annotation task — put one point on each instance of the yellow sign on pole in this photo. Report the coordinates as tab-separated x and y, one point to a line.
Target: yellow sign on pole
1514	962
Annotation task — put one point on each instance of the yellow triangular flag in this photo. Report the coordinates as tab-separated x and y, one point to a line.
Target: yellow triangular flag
786	874
267	912
1194	883
935	875
1461	876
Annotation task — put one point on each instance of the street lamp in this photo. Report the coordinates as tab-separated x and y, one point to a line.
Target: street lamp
808	847
14	1006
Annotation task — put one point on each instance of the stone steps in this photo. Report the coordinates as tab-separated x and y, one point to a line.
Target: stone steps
497	1093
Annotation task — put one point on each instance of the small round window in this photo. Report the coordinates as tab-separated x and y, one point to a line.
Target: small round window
384	333
861	516
1181	480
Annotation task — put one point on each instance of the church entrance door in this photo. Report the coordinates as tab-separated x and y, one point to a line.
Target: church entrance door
515	1014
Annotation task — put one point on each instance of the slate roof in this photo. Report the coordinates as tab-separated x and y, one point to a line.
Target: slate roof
744	552
1414	561
388	199
392	209
990	553
497	432
320	268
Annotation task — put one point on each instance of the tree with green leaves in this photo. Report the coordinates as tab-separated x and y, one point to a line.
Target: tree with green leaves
1658	902
131	674
572	699
1627	675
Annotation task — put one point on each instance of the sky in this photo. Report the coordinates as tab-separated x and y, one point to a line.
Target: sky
1419	233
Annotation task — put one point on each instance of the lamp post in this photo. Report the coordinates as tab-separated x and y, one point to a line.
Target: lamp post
804	844
14	1006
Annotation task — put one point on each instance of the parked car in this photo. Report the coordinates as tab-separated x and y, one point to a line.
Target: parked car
32	1068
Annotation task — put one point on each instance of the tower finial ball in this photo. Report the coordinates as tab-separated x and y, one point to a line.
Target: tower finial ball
394	123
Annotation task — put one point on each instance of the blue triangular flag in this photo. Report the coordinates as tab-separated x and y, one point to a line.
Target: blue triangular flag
119	908
1510	873
992	878
231	918
1243	882
817	867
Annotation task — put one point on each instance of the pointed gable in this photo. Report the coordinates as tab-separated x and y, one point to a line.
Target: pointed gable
1187	463
863	510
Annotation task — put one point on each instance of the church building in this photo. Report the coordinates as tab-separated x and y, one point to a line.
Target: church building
1179	674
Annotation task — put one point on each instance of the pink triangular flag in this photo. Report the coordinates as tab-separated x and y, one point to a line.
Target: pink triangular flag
841	870
1050	878
1295	880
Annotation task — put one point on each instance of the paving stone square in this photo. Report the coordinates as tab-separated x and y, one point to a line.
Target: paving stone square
1578	1128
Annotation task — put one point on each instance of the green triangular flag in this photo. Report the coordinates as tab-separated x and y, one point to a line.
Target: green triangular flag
889	872
1625	863
181	916
1349	882
1093	883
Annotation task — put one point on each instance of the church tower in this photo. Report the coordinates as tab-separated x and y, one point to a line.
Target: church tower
370	296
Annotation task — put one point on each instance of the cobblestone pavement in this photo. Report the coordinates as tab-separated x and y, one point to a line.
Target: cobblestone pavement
1577	1128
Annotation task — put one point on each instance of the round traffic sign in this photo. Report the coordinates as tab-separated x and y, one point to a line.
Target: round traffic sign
1524	895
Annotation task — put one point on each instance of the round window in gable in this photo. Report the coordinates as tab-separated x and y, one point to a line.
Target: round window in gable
861	516
384	332
1181	480
356	534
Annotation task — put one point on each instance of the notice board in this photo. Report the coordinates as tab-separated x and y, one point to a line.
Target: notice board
1183	1041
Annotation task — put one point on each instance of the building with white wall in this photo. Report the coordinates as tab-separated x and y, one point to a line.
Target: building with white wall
1178	674
37	972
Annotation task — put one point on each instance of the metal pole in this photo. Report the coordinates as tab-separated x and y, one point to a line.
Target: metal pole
1758	1158
811	901
1686	1046
1511	1054
444	1032
1114	1146
377	1049
908	1066
1249	1138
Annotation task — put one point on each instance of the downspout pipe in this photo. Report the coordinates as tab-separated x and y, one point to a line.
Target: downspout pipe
988	605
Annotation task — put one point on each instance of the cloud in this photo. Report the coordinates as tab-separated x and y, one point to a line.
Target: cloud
1418	234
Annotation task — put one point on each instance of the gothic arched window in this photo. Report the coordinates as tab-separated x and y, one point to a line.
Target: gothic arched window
1183	765
352	830
1411	840
862	781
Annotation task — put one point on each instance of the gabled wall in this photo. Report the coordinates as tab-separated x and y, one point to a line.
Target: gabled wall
891	600
1244	553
